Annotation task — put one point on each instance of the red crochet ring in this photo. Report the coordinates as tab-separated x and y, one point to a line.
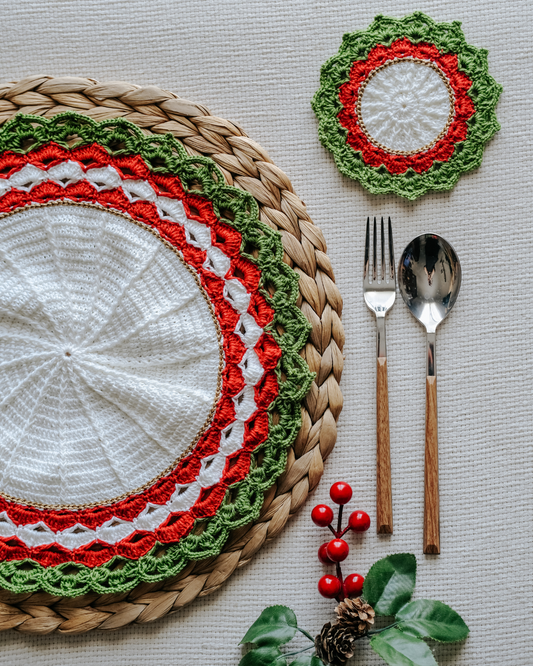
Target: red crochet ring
443	149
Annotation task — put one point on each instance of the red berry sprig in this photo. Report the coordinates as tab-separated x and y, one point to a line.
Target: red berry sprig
322	515
353	585
336	550
329	586
341	493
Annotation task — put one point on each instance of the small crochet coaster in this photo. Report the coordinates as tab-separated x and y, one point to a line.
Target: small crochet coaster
152	355
407	105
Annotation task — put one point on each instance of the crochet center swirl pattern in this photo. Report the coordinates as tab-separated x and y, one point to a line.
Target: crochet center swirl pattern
165	374
111	356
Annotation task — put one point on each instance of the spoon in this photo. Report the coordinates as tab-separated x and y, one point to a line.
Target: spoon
429	281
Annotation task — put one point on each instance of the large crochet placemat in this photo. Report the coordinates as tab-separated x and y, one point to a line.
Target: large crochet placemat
238	331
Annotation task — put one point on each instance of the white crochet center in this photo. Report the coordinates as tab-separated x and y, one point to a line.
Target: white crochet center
109	356
405	106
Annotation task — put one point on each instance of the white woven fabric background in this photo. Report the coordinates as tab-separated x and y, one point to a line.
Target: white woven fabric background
257	63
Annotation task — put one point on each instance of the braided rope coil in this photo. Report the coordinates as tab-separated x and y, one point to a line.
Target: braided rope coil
245	164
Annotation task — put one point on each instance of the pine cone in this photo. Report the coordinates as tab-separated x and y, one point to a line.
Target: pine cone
334	644
355	614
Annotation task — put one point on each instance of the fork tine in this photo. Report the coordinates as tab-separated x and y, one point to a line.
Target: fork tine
367	248
391	254
374	257
382	251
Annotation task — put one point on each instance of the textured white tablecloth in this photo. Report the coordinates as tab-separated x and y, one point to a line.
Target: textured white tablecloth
257	63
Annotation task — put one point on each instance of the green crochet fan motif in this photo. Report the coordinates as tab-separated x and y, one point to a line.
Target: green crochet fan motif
418	28
244	500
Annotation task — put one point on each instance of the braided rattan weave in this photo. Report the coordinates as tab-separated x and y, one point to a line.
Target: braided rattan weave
247	165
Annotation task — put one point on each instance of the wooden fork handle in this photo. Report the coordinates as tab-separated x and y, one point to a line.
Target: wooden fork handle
431	473
383	486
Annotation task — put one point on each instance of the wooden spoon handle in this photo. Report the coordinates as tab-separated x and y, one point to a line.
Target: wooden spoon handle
383	485
431	474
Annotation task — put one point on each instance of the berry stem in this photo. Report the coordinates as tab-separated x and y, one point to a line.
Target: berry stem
333	531
339	576
341	534
339	521
339	571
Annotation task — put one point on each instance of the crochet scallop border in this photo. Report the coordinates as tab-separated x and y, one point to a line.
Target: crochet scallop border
243	501
418	29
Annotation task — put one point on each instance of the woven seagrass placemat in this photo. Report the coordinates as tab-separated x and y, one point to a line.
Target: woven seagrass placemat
246	165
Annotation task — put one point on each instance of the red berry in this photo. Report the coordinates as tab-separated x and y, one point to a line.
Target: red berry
323	554
353	585
329	586
359	521
322	515
340	492
338	550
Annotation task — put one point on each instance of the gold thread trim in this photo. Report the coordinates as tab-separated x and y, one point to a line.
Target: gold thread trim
79	507
427	63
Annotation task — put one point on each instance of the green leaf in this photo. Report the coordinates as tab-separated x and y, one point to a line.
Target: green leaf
263	656
432	619
390	583
399	649
275	626
307	660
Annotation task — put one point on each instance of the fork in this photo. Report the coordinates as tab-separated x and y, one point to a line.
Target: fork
379	297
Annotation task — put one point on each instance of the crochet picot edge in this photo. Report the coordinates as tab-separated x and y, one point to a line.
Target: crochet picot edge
419	30
262	246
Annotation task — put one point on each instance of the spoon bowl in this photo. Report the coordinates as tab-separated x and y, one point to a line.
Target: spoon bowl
429	280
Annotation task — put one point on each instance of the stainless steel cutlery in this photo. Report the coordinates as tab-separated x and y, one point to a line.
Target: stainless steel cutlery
429	282
430	279
379	288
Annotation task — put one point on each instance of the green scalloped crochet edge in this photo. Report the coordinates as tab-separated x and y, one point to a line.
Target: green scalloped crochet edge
484	92
244	500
